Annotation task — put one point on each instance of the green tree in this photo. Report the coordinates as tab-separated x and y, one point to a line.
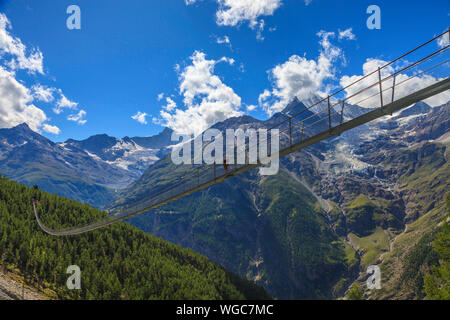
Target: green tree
437	283
355	292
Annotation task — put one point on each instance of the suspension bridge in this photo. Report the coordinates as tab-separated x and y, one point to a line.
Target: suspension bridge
382	92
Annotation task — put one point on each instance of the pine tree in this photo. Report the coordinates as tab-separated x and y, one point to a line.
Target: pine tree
355	292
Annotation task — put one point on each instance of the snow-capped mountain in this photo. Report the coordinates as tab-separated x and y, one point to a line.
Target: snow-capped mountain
134	155
90	170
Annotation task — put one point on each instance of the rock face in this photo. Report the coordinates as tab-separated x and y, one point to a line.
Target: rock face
133	155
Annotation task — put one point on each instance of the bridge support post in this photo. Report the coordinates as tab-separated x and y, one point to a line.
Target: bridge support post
290	131
381	88
342	112
393	87
329	113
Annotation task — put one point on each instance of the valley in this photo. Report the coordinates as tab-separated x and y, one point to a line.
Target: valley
309	232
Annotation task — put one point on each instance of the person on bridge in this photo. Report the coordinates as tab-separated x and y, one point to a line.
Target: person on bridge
225	166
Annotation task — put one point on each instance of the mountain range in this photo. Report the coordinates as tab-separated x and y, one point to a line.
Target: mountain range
89	170
366	197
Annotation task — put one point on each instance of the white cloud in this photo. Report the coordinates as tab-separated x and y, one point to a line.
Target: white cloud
300	77
16	51
259	29
78	117
223	40
251	107
171	105
43	93
347	34
402	87
443	41
206	98
16	103
264	96
63	102
230	61
234	12
160	96
140	117
51	129
16	100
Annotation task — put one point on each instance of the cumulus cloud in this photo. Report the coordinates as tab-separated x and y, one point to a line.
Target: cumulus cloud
16	103
234	12
16	100
51	129
43	93
404	85
15	52
206	98
160	96
171	105
78	117
140	117
63	103
251	107
300	77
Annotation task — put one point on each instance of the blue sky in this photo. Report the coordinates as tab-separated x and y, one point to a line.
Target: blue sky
128	53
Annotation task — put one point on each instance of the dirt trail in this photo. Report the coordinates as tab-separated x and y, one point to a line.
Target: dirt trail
11	289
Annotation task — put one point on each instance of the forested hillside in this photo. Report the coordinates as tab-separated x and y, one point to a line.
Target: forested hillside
118	262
